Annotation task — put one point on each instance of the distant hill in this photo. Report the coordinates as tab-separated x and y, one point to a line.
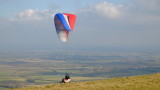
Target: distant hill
145	82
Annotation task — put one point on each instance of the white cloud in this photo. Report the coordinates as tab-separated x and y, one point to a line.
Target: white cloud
104	9
142	12
152	5
31	14
108	9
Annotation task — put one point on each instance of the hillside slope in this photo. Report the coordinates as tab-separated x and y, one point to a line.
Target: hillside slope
145	82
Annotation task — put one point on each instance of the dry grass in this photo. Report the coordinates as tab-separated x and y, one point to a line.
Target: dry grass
146	82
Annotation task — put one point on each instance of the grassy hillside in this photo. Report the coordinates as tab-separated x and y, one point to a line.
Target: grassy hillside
145	82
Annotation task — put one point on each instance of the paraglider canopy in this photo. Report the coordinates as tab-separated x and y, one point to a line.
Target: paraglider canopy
64	23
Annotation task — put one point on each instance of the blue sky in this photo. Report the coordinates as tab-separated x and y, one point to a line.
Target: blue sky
9	7
29	23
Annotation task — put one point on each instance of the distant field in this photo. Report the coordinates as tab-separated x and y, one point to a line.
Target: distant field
21	69
146	82
1	88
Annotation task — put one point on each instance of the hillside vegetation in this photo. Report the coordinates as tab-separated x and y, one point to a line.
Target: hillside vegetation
145	82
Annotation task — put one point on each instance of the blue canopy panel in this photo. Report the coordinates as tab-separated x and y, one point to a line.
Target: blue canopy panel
64	20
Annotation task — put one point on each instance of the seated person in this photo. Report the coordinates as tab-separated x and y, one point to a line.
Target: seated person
66	79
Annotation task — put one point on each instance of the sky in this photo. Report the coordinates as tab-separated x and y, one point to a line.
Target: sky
100	23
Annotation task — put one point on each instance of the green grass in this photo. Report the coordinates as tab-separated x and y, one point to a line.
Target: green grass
145	82
1	88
